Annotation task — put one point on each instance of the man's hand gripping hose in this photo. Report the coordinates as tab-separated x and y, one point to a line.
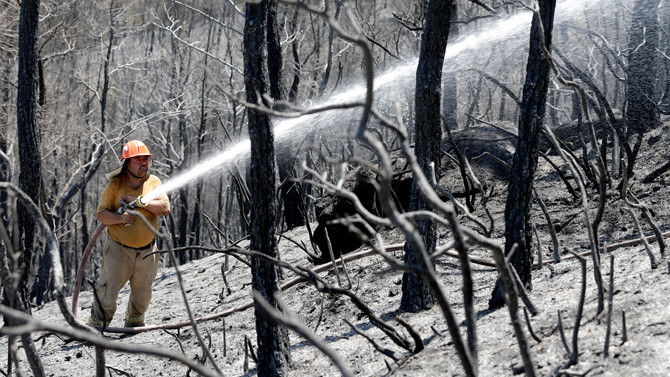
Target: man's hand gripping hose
139	202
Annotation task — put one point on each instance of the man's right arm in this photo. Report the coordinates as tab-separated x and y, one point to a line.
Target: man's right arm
106	213
111	218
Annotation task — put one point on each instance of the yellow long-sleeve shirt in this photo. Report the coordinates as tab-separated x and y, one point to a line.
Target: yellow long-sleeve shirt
137	234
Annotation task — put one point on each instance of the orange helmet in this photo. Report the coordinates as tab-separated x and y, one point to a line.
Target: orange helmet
134	148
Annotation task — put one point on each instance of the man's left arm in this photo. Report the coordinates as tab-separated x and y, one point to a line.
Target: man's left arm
155	206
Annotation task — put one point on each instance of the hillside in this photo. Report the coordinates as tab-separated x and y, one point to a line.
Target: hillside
641	348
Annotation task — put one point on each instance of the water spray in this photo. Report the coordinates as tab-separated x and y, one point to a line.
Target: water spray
501	29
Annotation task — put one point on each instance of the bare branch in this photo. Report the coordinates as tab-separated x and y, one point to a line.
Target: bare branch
610	298
380	349
30	325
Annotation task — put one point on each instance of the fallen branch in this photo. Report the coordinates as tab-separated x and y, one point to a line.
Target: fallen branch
614	246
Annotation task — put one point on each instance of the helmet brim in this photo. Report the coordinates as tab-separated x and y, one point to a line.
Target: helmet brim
116	172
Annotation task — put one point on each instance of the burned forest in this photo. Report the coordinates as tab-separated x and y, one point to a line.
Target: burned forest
355	188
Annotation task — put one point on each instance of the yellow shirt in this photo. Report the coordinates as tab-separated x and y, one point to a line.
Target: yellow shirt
137	234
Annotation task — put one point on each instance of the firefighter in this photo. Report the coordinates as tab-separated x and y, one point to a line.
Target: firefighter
129	239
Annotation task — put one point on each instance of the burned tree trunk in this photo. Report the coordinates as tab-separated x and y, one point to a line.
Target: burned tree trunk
30	176
518	230
273	344
290	191
416	294
642	113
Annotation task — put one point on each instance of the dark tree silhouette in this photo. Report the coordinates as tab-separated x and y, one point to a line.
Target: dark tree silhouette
416	294
30	176
642	113
273	343
518	230
290	191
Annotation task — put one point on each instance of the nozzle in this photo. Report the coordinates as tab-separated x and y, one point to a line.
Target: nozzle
141	201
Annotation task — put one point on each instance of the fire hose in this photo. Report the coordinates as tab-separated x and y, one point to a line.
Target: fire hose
89	247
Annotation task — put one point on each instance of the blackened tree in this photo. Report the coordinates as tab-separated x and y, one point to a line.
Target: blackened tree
518	230
30	176
290	190
273	343
642	113
416	293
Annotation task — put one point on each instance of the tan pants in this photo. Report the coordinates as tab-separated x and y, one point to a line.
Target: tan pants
120	265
